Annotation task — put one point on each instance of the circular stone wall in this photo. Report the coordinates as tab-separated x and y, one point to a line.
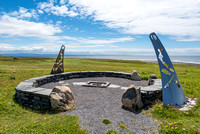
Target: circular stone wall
34	93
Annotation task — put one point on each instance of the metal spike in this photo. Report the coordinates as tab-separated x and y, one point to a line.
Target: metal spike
58	66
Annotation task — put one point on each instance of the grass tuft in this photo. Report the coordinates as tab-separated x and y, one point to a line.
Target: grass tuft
122	125
106	121
111	131
12	77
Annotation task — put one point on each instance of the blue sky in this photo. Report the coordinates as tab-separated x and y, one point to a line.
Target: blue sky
99	26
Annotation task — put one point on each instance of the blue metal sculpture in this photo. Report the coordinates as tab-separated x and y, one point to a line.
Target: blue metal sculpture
173	94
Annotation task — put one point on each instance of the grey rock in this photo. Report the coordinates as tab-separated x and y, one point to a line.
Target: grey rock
62	98
135	76
36	98
131	98
151	79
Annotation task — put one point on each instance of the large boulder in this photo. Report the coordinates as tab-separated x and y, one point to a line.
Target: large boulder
151	79
62	98
131	98
136	76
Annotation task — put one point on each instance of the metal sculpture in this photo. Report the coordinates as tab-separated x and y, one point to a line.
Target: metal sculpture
173	94
58	66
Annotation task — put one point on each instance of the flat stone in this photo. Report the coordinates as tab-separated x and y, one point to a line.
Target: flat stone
113	86
79	83
61	82
31	80
158	82
32	90
124	88
66	84
151	88
24	86
45	92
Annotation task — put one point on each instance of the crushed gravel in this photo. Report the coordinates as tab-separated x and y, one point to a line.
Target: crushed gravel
94	104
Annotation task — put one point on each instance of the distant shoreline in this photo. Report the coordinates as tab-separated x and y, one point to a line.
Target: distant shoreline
184	63
147	59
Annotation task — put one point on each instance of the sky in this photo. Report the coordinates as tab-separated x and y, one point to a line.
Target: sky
99	27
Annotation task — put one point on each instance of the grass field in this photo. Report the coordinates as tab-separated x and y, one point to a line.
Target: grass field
16	119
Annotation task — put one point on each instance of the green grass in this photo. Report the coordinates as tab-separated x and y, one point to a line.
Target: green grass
123	127
106	121
111	131
16	119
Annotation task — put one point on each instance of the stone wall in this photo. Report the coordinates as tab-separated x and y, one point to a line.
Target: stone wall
33	101
29	93
73	75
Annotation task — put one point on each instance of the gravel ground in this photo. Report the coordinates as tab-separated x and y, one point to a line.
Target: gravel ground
95	104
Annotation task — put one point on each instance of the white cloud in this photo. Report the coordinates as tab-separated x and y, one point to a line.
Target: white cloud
54	48
44	47
98	41
81	46
41	47
63	1
6	47
43	5
62	10
177	18
12	26
40	11
24	13
184	50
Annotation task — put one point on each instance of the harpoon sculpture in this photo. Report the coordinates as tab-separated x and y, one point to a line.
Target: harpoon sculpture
172	91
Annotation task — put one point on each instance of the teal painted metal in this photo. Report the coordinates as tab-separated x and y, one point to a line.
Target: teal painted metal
173	94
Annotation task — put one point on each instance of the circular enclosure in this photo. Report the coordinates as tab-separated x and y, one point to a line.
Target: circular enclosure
35	92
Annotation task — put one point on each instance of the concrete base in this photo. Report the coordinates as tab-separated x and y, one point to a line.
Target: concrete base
190	103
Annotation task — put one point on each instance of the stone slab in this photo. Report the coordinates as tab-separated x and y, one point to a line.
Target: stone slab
46	92
24	86
32	90
157	82
151	88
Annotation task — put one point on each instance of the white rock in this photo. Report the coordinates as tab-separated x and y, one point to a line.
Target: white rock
62	98
136	76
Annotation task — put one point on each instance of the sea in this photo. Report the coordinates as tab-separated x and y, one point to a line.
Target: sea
146	58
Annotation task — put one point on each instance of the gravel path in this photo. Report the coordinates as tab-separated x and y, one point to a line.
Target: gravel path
95	104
